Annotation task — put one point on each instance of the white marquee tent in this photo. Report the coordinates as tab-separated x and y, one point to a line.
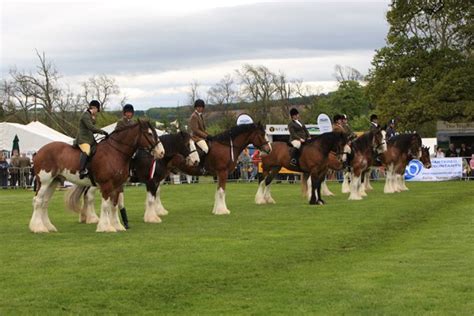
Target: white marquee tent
31	137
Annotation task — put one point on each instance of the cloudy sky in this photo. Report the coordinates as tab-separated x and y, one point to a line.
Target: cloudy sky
155	49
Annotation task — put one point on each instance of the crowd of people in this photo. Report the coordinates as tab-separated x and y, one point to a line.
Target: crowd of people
16	172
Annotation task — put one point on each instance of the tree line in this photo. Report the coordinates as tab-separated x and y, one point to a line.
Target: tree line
424	73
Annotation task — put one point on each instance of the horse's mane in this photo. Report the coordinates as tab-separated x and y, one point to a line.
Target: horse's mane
364	141
171	142
405	141
236	131
331	136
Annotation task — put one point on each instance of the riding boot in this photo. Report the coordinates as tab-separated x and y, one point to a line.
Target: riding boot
123	214
294	157
82	163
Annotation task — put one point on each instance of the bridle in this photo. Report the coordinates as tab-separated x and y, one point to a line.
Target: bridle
149	148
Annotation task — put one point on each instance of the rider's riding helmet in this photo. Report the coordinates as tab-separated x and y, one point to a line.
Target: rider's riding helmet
96	104
128	108
293	112
199	103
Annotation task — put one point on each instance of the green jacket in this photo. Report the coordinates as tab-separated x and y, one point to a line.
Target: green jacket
123	122
297	131
87	129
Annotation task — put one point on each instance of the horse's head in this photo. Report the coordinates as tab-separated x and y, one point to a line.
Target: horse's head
149	140
189	149
425	157
379	144
259	139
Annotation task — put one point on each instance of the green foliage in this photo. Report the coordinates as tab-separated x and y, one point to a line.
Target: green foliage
404	254
426	71
106	118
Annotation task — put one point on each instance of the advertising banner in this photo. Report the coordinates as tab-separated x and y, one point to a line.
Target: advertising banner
442	169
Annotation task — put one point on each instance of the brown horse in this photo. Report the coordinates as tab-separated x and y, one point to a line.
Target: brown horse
313	160
401	149
109	167
365	148
222	157
151	172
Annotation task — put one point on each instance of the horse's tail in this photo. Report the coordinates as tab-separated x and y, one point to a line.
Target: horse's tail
72	198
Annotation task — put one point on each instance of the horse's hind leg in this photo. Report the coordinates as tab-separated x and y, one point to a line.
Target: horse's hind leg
325	190
368	186
47	196
315	191
88	214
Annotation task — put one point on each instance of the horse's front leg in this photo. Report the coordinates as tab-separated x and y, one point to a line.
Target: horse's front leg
220	207
108	203
159	208
151	216
117	196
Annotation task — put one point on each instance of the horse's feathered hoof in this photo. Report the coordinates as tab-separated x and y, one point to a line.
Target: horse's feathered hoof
320	202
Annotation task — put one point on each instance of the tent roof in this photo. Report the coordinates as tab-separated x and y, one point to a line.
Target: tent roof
32	137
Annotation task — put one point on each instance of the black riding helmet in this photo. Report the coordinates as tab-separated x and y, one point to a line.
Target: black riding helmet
128	108
293	112
199	103
96	104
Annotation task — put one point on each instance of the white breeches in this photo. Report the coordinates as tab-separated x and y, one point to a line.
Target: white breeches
203	145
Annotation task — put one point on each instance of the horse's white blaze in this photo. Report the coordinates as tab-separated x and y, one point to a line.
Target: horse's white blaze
259	197
325	190
158	151
193	157
159	208
150	213
220	207
345	183
354	188
104	225
267	195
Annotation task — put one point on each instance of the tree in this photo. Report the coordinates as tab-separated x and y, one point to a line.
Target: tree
347	73
425	73
223	92
258	86
100	88
193	92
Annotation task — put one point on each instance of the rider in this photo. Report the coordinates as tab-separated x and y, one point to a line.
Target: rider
127	119
298	135
351	136
198	127
85	136
374	122
390	131
338	127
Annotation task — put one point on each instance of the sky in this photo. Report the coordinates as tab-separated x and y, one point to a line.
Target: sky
155	49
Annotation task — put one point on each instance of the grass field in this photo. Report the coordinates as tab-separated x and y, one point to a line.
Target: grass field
408	253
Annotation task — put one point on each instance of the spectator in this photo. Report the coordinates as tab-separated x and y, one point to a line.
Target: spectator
391	131
245	164
439	153
14	168
25	165
451	152
3	171
464	152
256	159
